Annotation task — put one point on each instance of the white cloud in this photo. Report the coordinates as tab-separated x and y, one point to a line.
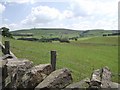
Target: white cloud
90	7
12	25
42	14
80	14
2	8
81	7
67	14
95	14
33	1
99	24
18	1
15	26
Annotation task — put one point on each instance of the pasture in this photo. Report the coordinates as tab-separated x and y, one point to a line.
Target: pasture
81	57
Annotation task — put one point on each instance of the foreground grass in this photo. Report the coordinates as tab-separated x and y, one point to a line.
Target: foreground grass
79	58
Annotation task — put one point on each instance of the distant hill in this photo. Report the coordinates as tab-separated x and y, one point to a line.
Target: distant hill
61	32
49	32
97	32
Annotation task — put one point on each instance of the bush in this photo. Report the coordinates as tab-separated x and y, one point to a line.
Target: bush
5	32
64	40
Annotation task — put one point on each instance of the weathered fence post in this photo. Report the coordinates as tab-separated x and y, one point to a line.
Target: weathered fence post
7	47
53	60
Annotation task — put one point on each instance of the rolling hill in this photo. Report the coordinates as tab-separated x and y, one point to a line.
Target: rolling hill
61	32
50	32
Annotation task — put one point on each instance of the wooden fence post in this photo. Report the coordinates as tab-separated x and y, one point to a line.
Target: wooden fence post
7	47
53	60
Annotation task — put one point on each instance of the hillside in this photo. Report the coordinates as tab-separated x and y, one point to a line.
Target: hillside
50	32
97	32
60	32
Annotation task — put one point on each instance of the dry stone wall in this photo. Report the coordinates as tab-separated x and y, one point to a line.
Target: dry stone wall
18	74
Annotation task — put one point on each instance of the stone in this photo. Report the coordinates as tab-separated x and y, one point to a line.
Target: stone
16	69
43	68
58	79
0	74
95	81
35	75
18	65
79	85
7	56
114	85
30	80
3	72
106	77
101	78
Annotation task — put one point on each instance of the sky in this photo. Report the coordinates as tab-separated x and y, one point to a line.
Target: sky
71	14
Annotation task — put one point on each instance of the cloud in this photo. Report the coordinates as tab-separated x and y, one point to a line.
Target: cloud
80	7
78	14
33	1
2	8
14	26
44	14
18	1
90	7
95	14
98	24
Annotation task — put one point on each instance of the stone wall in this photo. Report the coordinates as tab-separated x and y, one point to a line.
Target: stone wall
19	74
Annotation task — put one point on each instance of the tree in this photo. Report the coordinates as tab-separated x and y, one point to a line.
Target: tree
5	32
65	39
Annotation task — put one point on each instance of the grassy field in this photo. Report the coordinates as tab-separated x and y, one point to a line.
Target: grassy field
81	56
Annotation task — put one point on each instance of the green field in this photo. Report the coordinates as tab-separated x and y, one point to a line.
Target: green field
81	56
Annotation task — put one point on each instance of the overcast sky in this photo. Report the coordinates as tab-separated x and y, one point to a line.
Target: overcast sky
72	14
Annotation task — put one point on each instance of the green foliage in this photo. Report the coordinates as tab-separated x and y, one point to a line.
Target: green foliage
64	39
5	32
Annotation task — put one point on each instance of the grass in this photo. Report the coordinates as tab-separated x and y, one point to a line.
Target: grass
113	40
80	58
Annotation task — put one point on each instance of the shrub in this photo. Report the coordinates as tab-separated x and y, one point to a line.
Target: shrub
64	40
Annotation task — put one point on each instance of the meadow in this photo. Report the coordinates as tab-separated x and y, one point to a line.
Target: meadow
81	57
